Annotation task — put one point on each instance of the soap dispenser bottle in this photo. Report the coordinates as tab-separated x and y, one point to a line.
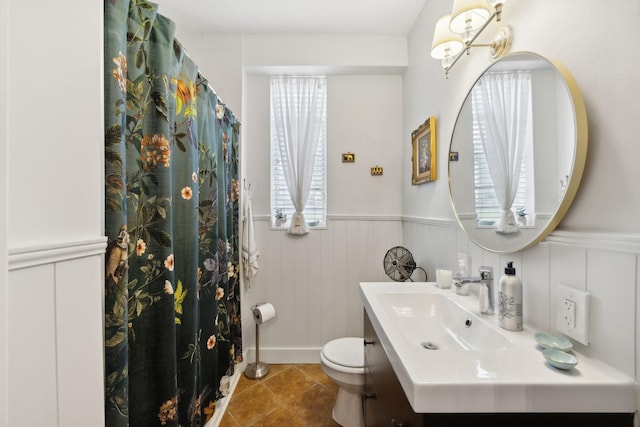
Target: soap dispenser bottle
510	300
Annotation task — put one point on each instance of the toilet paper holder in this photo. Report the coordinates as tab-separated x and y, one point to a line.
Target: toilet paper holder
258	369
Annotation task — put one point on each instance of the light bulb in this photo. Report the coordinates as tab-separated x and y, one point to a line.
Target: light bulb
447	60
468	32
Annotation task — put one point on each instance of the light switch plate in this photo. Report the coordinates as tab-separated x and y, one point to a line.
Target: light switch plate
573	313
348	157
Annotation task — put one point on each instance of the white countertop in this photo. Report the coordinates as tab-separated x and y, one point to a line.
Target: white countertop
515	379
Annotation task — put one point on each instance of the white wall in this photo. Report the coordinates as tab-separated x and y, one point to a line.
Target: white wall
49	81
597	245
4	363
363	117
219	58
569	33
313	281
325	54
52	232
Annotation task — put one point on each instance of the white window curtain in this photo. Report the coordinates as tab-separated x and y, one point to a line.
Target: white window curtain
505	99
298	111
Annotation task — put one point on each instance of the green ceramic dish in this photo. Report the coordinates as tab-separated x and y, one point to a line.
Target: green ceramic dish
547	341
560	359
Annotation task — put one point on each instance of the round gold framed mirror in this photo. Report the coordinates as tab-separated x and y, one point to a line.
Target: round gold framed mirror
517	152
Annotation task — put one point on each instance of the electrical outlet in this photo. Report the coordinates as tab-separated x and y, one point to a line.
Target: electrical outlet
568	308
573	313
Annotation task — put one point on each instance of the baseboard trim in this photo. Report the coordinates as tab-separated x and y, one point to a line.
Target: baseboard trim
32	256
222	404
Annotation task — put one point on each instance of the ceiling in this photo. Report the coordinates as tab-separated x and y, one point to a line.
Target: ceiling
373	17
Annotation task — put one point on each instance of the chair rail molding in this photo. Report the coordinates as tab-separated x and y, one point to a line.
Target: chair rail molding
620	242
345	217
606	241
32	256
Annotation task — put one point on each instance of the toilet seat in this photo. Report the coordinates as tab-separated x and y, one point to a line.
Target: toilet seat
345	352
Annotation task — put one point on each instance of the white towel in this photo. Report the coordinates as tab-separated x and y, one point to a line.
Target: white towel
249	249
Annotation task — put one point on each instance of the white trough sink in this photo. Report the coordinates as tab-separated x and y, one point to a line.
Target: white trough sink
425	317
449	358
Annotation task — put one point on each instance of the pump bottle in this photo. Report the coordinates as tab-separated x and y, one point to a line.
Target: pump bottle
510	300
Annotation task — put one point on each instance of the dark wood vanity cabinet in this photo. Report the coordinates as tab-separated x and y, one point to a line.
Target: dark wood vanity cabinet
386	405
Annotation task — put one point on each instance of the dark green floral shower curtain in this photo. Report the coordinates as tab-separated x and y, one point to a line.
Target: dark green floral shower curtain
172	297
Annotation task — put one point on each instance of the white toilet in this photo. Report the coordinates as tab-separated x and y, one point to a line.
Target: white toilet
343	361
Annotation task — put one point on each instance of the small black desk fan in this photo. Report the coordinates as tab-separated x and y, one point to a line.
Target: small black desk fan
399	264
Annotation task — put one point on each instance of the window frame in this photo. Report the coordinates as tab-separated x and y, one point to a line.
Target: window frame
315	220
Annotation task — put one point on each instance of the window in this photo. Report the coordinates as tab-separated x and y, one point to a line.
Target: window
283	106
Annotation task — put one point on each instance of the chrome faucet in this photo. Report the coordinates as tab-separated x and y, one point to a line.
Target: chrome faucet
485	279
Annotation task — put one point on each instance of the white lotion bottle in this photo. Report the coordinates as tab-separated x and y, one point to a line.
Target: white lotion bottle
510	300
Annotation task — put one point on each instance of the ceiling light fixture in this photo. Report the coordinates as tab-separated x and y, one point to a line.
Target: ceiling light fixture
457	32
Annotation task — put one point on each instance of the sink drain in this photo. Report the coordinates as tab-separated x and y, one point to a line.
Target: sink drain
430	346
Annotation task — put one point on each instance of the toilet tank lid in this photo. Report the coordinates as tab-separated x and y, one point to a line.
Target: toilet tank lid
345	351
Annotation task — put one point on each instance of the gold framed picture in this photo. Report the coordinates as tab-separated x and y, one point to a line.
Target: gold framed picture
423	153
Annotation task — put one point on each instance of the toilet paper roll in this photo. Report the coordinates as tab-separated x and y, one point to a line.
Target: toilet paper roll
263	313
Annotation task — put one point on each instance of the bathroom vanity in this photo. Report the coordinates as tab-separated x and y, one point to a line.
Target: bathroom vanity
432	360
385	403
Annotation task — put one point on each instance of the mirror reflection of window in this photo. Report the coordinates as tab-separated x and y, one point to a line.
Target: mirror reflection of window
558	136
488	209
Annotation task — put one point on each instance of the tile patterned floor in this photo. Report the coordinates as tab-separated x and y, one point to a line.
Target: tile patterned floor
290	395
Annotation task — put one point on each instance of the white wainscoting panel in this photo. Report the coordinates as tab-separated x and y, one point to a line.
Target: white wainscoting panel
536	293
33	380
79	308
55	340
434	244
611	282
313	283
